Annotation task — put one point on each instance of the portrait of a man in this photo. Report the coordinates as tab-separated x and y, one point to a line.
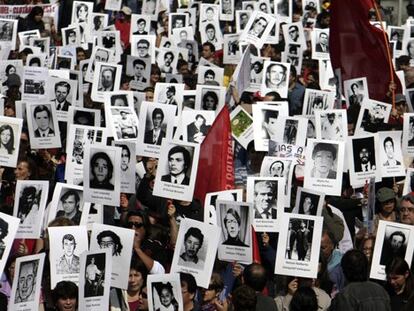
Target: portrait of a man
62	90
4	231
193	241
155	135
331	127
70	201
109	239
265	196
107	79
275	76
258	27
141	25
410	142
26	282
43	117
68	263
101	168
293	32
389	152
393	246
197	130
324	156
364	156
270	123
179	160
143	48
168	60
125	158
323	43
139	71
94	278
355	97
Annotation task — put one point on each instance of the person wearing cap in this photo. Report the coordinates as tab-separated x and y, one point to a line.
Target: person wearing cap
386	206
397	113
407	209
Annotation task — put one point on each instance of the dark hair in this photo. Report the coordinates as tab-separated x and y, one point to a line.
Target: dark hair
4	228
255	276
190	281
304	299
324	147
64	84
200	116
184	151
278	161
69	237
399	266
8	67
139	62
169	52
210	72
143	41
143	216
104	156
25	208
195	232
279	65
213	95
400	233
139	266
210	45
112	70
157	111
166	286
125	147
139	20
210	26
244	299
10	144
41	108
355	266
234	213
114	237
388	139
35	60
80	6
69	193
119	96
270	114
65	289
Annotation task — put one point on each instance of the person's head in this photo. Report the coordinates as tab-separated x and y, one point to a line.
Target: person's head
109	239
27	279
168	58
232	223
82	12
323	38
97	22
200	120
259	25
307	205
304	299
139	67
101	167
210	31
101	55
244	298
257	66
157	117
210	100
277	168
367	247
355	266
7	137
178	160
142	47
193	241
42	116
263	7
10	69
107	77
36	14
209	75
188	287
209	13
141	23
389	147
70	202
65	296
62	90
397	240
386	199
264	195
215	286
170	92
293	32
68	244
165	292
179	22
125	157
364	155
398	275
254	275
138	221
137	276
25	169
71	36
35	62
119	100
327	244
4	229
270	121
323	155
276	74
208	50
244	18
407	209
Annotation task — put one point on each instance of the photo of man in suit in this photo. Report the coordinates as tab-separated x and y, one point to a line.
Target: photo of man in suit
389	152
265	195
324	156
197	130
62	90
141	25
323	43
42	117
68	263
107	79
156	134
364	157
179	159
139	70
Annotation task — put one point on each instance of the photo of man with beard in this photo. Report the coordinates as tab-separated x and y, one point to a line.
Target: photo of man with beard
364	156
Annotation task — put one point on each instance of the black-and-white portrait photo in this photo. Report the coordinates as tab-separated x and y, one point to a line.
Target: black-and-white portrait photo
106	78
317	100
242	18
372	115
179	165
124	123
394	244
308	202
322	42
10	129
364	154
167	60
258	28
7	30
191	256
275	78
43	121
94	275
164	296
29	204
265	199
198	128
68	262
101	171
140	24
26	285
331	124
156	130
8	229
355	91
143	46
290	131
141	70
61	96
71	204
235	226
410	140
324	160
299	239
81	12
391	154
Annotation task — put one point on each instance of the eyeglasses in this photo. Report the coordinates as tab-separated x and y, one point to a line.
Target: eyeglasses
137	225
407	209
106	244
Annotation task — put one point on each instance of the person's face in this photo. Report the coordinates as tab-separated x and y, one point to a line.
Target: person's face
100	169
38	17
143	299
82	13
407	212
107	242
209	14
259	26
397	242
12	70
209	77
232	226
179	23
142	49
124	158
101	56
135	280
263	7
139	232
211	33
42	120
141	26
187	296
192	245
22	171
397	281
199	122
264	196
276	170
276	75
271	126
364	155
169	93
72	38
244	19
61	93
107	79
139	70
68	247
368	248
307	204
119	102
206	52
326	246
389	149
168	59
157	121
165	297
176	163
5	136
66	304
323	38
323	161
183	35
210	103
26	281
69	204
293	33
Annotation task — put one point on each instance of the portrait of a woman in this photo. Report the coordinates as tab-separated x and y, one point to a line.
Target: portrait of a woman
12	78
210	101
6	139
101	171
232	222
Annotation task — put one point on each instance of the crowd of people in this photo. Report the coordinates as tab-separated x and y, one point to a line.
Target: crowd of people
347	243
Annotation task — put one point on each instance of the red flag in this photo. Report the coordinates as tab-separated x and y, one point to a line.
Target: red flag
215	165
358	48
256	252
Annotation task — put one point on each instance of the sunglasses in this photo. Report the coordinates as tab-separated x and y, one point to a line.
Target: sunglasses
137	225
